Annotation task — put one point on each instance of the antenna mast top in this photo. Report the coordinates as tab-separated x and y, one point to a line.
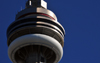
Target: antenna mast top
36	3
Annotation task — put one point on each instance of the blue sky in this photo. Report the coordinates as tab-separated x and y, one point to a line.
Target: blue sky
80	18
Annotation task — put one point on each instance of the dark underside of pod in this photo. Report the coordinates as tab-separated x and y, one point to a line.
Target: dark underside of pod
35	54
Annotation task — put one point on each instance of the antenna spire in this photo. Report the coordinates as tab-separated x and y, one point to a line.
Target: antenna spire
36	3
30	2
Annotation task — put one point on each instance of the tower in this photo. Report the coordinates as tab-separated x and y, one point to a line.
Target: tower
35	36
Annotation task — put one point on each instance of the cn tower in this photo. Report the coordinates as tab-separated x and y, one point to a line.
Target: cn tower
35	36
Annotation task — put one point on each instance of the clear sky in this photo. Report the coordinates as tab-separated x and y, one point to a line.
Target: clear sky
80	18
